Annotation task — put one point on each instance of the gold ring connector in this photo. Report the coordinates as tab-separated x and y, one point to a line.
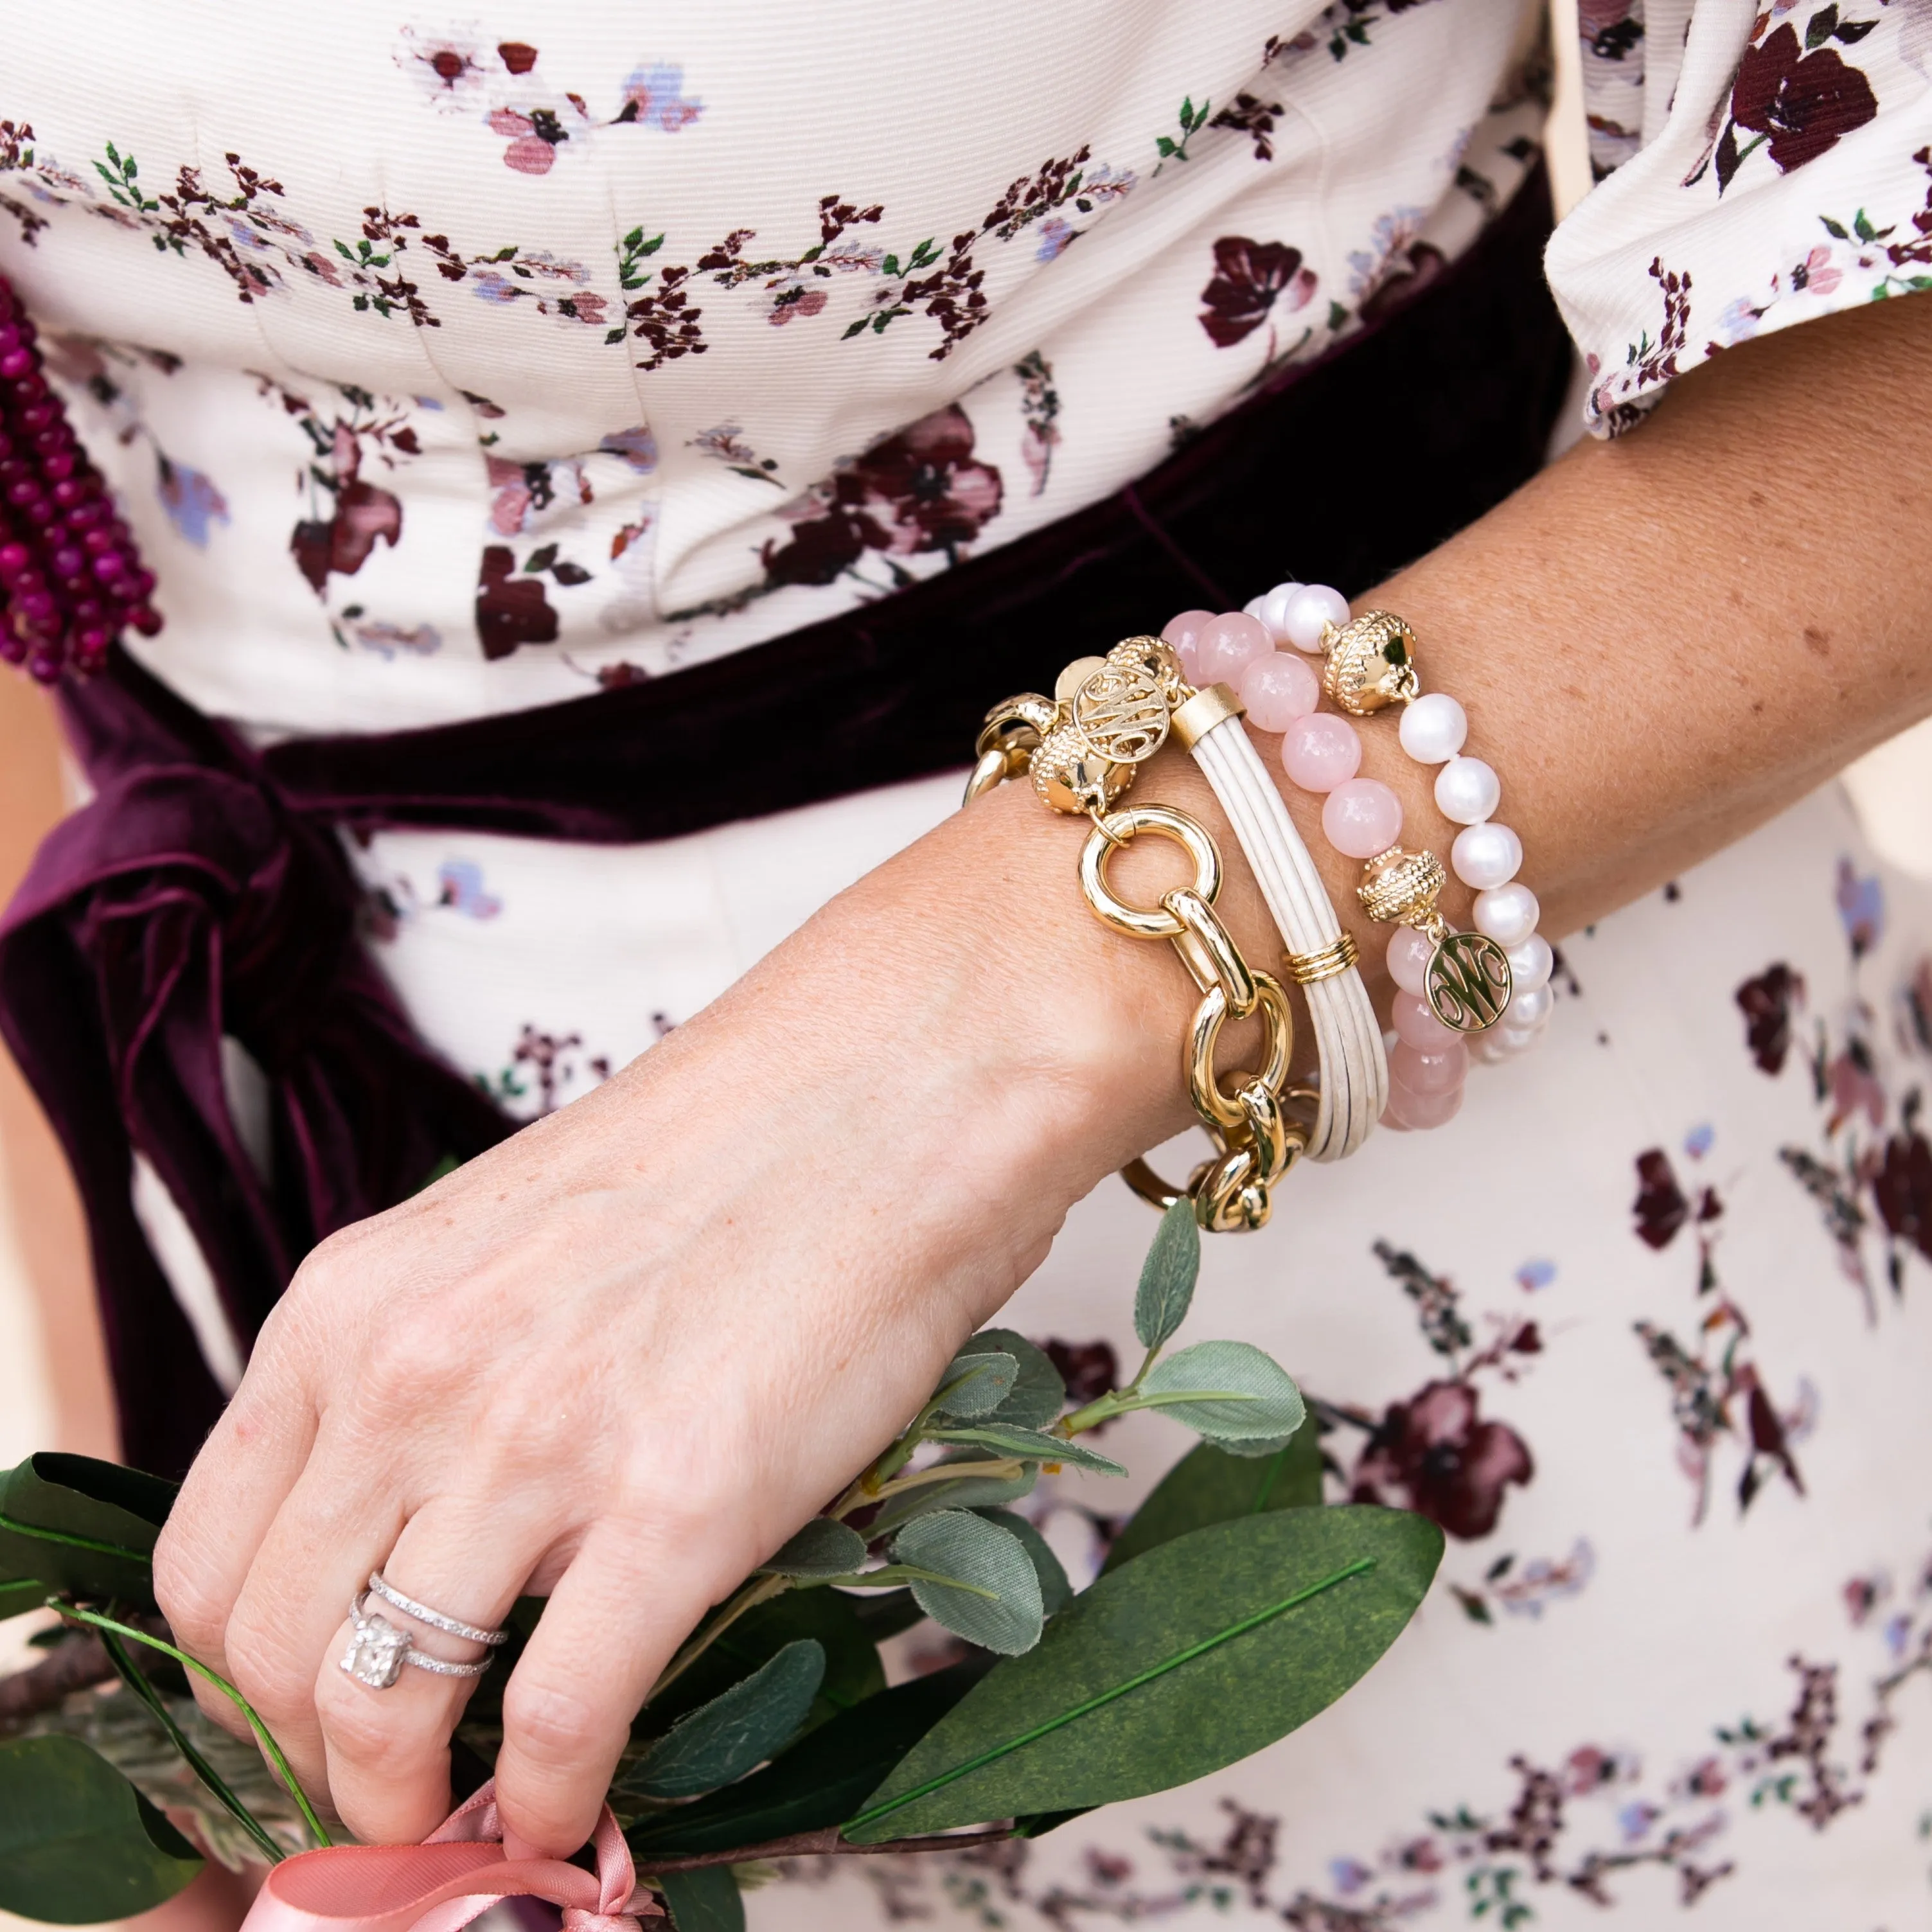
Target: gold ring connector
1305	968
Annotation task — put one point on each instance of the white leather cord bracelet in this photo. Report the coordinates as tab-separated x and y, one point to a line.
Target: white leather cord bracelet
1353	1083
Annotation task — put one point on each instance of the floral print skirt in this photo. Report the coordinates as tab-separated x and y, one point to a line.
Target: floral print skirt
1647	1330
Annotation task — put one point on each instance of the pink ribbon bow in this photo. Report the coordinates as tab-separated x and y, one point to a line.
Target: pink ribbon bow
455	1875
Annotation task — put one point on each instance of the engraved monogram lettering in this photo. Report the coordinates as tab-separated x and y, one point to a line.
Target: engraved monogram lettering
1122	712
1469	981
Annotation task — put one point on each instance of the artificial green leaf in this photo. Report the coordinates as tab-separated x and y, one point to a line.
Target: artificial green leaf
881	1614
16	1599
976	1382
736	1732
852	1672
1038	1395
78	1843
82	1526
1182	1661
960	1492
1167	1275
1055	1591
1032	1445
822	1548
1229	1392
822	1779
1209	1485
707	1899
991	1593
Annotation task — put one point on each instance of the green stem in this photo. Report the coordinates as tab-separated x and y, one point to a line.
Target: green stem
760	1590
126	1669
1000	1468
139	1558
1124	1402
270	1749
1358	1567
891	1575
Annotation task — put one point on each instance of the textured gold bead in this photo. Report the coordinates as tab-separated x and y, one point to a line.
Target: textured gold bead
1371	663
1401	888
1070	776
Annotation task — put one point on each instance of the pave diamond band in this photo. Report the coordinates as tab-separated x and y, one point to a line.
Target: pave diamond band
378	1649
435	1620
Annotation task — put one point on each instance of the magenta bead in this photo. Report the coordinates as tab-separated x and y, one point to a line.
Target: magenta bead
14	558
1412	1109
15	362
1415	1022
1277	689
1362	817
1227	645
1423	1071
1409	953
1320	751
1183	633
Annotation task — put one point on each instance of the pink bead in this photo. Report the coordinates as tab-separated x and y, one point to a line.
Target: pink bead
1362	817
1183	633
1422	1110
1424	1071
1227	645
1277	689
1416	1023
1409	953
1320	751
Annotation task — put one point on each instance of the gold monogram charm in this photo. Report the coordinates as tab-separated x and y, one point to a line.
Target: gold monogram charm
1371	663
1469	981
1121	711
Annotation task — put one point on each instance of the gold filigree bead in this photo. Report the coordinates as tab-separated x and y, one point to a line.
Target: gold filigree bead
1371	663
1017	724
1070	776
1401	888
1122	711
1155	656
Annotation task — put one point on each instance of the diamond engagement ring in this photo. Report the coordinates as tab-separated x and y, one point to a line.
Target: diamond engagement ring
378	1648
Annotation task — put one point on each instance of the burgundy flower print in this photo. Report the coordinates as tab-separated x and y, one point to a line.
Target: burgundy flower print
920	491
511	610
1902	1186
1768	1003
1250	115
1249	277
1796	100
1648	365
361	514
1434	1454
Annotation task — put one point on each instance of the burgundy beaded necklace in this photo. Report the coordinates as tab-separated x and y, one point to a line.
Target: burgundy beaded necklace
70	578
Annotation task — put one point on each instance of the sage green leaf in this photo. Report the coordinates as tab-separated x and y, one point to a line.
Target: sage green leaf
1229	1392
1182	1661
1167	1275
822	1548
707	1899
1039	1395
736	1732
959	1492
84	1527
78	1843
1209	1485
823	1778
852	1672
1055	1591
976	1382
1033	1445
990	1596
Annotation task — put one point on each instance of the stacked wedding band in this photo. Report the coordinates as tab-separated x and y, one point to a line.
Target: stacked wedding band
378	1649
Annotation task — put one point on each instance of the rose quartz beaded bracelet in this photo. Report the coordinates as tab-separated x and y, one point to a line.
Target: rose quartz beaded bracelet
1491	985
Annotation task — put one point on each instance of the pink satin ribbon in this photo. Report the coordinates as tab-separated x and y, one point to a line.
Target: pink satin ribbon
455	1875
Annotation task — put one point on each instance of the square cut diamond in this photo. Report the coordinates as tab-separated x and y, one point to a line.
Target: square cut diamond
376	1651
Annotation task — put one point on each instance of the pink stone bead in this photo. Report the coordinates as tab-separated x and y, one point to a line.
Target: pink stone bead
1422	1110
1320	751
1227	645
1424	1072
1362	817
1409	953
1182	632
1277	689
1416	1023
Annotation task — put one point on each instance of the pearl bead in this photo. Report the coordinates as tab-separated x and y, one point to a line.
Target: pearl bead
1423	1071
1530	961
1511	1040
1416	1023
1272	610
1467	790
1507	914
1182	632
1277	689
1486	855
1362	817
1311	607
1409	953
1227	645
1433	727
1423	1110
1530	1009
1320	751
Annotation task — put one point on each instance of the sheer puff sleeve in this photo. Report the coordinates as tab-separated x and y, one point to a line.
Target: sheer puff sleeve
1755	169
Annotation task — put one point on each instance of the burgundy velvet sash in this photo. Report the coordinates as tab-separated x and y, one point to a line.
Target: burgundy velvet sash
203	891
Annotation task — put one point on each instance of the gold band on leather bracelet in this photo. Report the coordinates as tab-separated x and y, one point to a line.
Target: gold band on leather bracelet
1306	968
